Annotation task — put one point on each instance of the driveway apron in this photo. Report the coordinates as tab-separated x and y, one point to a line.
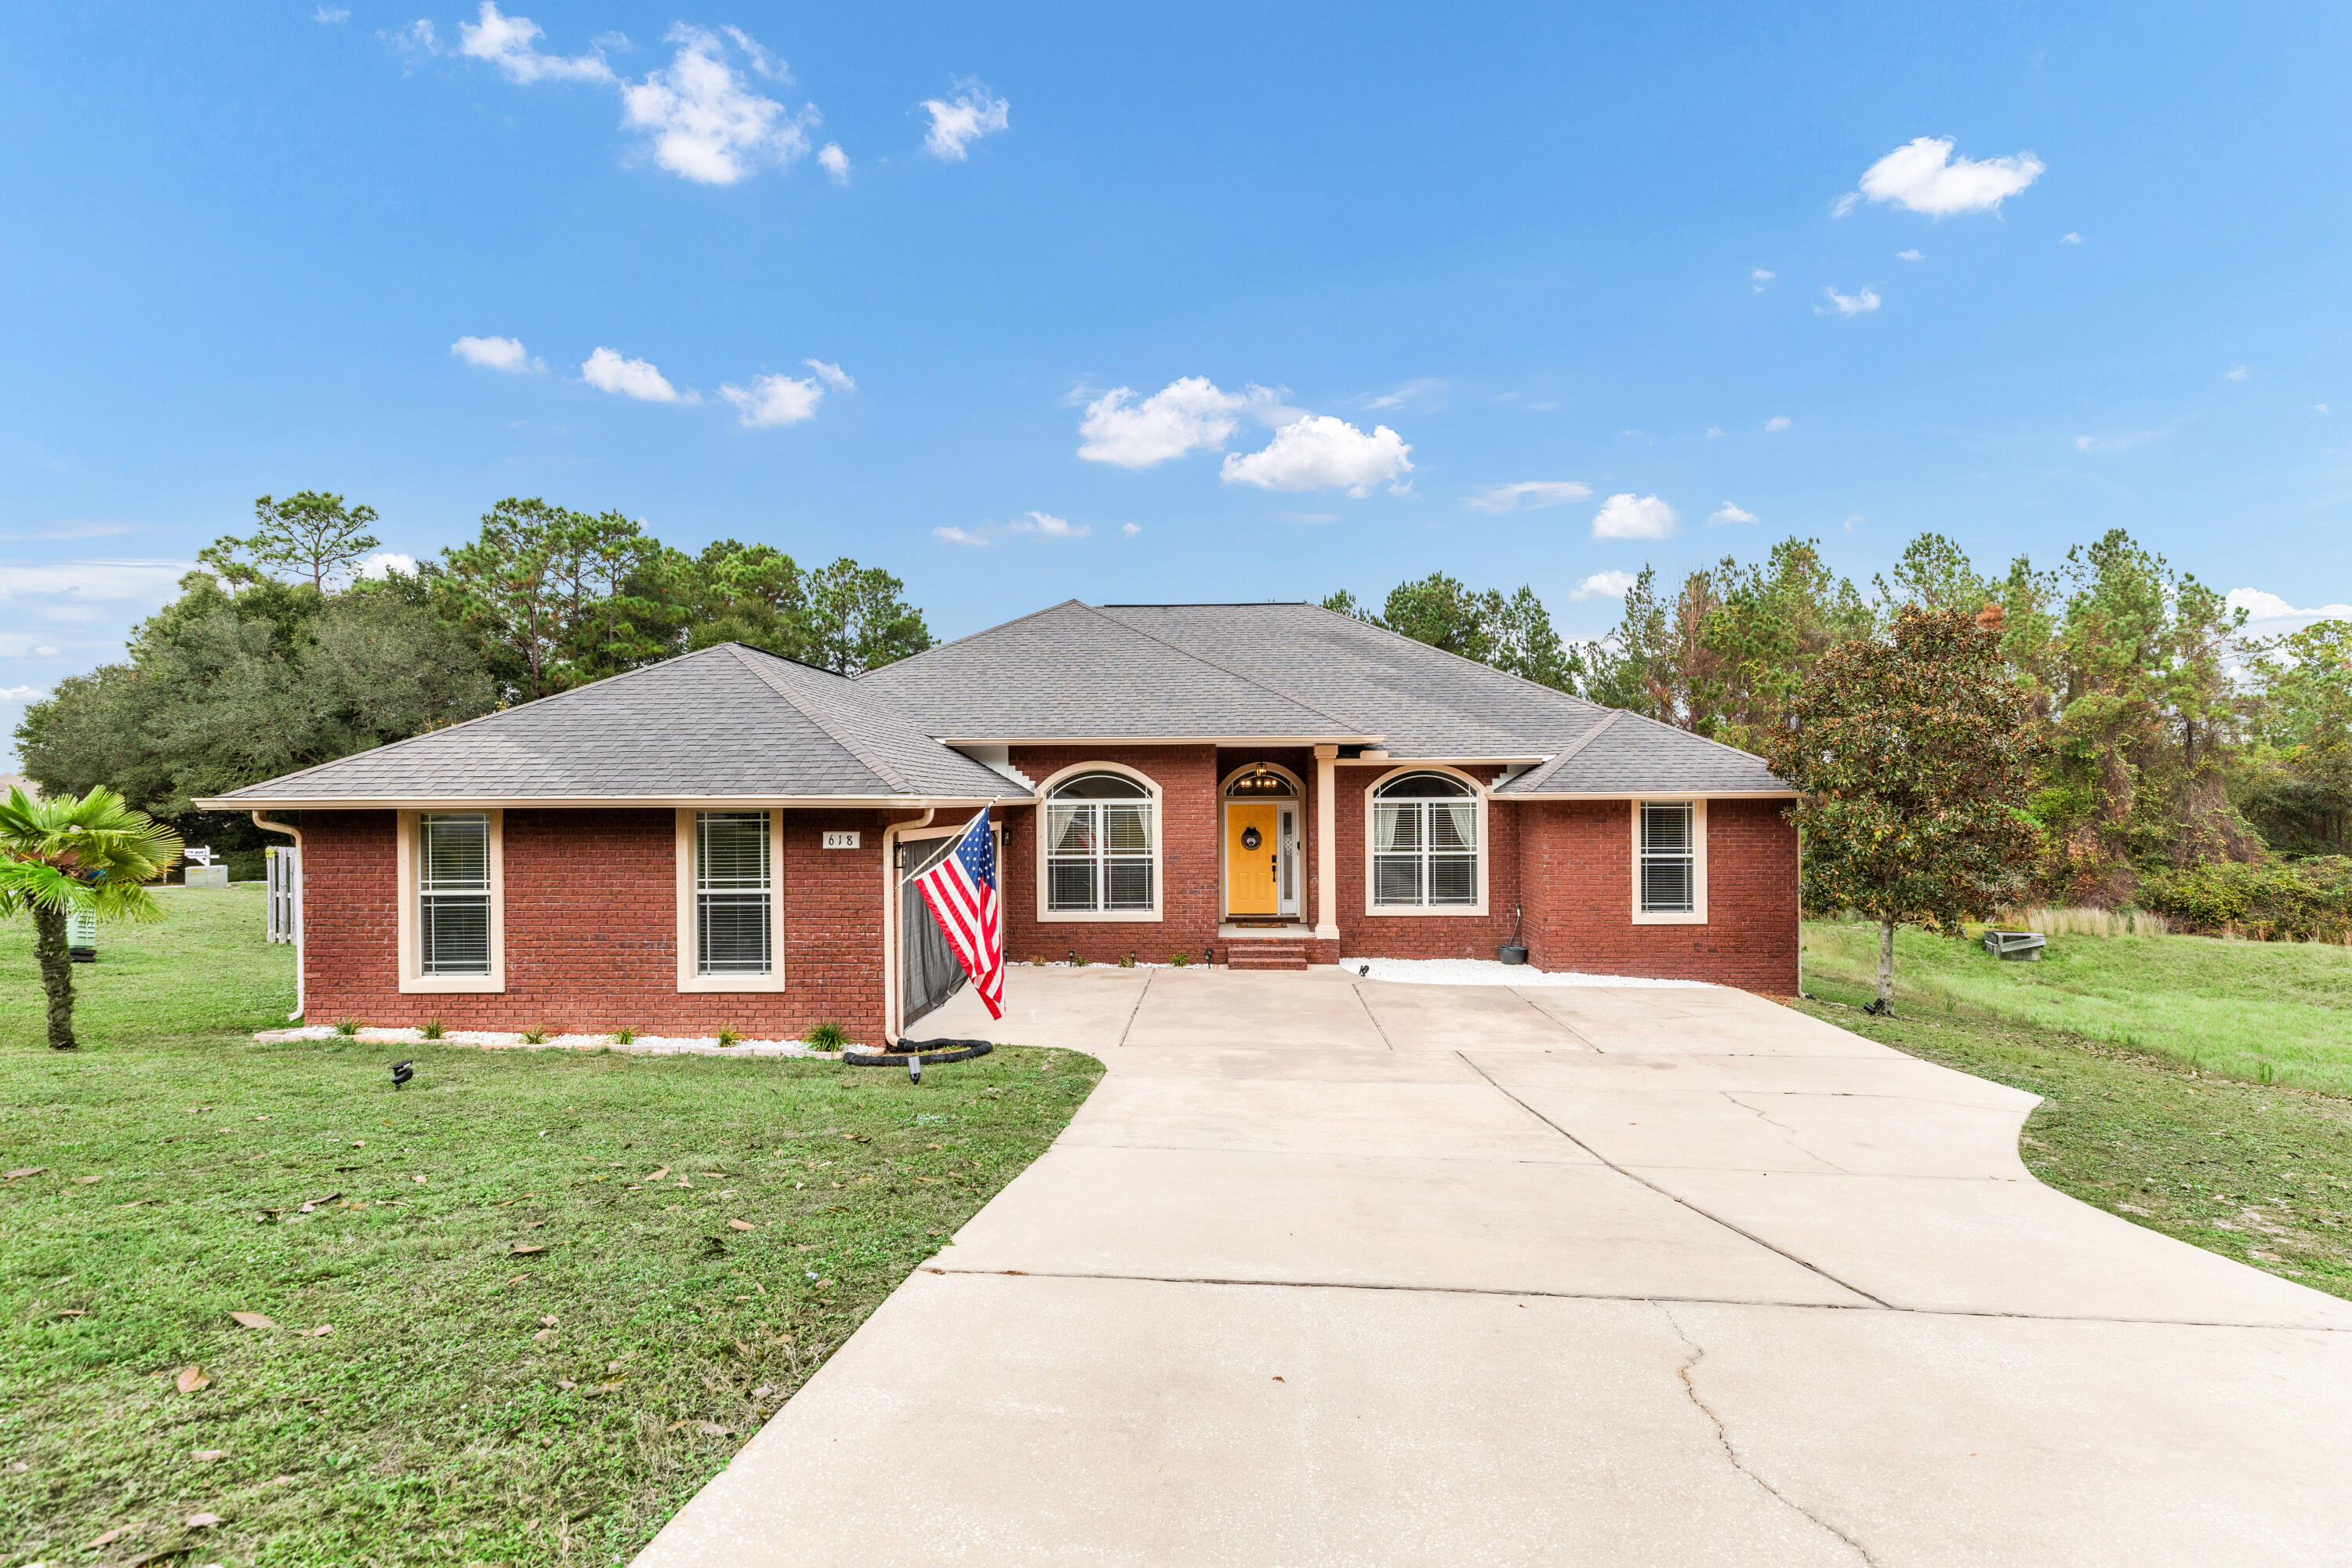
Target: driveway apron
1334	1271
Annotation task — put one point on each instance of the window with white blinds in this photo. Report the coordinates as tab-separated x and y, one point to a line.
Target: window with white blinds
1099	847
1425	843
1669	868
734	894
453	893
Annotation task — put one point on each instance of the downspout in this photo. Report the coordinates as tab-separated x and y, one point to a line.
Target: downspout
295	834
891	1023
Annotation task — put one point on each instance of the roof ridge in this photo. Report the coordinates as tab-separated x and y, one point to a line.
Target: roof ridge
880	769
1465	659
1350	726
486	718
957	642
1539	774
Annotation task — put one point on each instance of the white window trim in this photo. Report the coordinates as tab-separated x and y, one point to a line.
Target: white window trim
688	980
1422	911
1698	916
1045	788
414	981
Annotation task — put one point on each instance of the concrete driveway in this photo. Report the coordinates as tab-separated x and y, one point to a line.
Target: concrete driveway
1330	1271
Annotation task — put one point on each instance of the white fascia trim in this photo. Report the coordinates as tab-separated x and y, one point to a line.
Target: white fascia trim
961	742
1508	795
586	801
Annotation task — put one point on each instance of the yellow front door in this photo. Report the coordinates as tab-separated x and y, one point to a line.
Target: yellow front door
1251	854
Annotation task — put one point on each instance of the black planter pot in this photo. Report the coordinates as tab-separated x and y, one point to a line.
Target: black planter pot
1514	953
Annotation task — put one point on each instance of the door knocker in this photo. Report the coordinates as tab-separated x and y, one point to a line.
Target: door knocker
1251	838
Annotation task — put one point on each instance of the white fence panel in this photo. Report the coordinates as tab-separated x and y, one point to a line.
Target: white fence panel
283	868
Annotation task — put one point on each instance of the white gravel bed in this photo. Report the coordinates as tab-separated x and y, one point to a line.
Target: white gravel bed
1490	972
500	1040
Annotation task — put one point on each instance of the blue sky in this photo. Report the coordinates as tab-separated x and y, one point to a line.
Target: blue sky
1528	296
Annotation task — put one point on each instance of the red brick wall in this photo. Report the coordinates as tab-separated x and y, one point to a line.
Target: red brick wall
1365	935
592	929
1188	895
1577	863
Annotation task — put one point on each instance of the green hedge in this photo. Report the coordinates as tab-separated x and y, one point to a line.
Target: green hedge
2299	901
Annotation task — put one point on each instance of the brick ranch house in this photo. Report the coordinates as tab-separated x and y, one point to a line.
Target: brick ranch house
723	839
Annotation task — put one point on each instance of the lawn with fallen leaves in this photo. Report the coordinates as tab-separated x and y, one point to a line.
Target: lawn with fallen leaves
262	1308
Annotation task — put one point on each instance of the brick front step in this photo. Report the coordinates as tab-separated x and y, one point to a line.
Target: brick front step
1257	955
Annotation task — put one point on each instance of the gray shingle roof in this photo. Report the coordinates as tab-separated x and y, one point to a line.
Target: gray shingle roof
1101	672
728	723
1078	672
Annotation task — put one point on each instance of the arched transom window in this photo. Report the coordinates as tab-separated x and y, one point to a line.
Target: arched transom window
1425	842
1099	846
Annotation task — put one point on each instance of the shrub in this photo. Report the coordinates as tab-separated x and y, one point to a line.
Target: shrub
347	1025
623	1036
1179	958
826	1037
1128	962
433	1029
535	1036
728	1036
2296	900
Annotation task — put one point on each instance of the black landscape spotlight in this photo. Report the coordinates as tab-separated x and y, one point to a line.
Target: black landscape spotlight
401	1072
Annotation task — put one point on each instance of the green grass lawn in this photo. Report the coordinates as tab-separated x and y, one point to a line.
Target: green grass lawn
707	1232
2231	1007
2261	1173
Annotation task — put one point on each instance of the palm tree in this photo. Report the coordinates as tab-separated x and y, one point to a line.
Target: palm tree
64	855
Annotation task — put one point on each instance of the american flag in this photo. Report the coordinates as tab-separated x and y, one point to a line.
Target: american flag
961	893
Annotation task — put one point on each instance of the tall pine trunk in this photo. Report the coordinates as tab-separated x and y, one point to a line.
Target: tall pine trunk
56	974
1886	965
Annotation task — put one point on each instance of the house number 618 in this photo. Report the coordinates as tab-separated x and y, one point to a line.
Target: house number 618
841	841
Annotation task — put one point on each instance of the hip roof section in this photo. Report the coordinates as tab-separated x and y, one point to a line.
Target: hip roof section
727	723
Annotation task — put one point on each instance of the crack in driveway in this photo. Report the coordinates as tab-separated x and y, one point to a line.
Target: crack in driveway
1731	1450
1794	1146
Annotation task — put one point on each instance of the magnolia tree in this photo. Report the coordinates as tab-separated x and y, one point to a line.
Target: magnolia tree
68	855
1912	755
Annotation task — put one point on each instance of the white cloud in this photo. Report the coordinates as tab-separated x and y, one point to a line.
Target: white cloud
2235	372
329	16
496	353
1603	586
1759	277
1856	304
1729	513
1924	176
1053	527
511	44
1321	451
774	400
705	123
2319	409
72	583
1529	495
1910	256
1851	518
1308	519
958	121
1629	516
1190	415
606	370
2122	443
1713	431
2070	237
1419	390
834	162
833	375
1131	529
1778	421
2269	616
21	693
961	536
385	563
